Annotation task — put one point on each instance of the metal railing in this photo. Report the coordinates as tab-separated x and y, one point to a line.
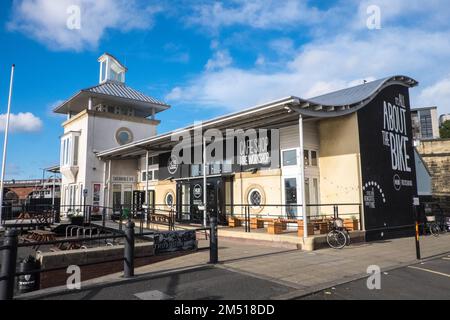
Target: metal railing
9	251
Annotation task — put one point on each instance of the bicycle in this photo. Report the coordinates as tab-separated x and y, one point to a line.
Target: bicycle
433	226
338	237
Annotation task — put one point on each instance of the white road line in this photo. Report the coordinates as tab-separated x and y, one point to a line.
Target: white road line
431	271
446	258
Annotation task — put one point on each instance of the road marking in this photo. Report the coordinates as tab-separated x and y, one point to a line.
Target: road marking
431	271
446	258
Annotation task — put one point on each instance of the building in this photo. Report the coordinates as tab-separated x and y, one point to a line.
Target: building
436	155
425	123
443	118
353	147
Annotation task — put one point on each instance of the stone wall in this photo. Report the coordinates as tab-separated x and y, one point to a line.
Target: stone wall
436	155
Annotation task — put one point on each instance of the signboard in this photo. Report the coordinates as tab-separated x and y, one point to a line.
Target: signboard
197	191
173	241
123	179
96	197
138	199
387	162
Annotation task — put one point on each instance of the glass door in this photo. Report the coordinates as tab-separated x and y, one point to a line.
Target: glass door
290	197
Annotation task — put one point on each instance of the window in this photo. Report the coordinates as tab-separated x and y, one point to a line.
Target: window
124	136
290	195
169	199
196	170
151	174
75	150
255	198
153	160
314	158
289	158
426	125
69	149
306	157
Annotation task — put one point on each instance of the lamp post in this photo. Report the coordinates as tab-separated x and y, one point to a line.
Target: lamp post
5	144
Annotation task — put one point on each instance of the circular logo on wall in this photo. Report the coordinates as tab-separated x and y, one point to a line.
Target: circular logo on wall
172	165
397	182
197	191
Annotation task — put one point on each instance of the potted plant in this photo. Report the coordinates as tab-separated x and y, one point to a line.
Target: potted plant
351	224
275	227
76	218
256	222
233	222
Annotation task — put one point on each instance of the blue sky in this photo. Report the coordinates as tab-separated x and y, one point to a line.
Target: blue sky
207	58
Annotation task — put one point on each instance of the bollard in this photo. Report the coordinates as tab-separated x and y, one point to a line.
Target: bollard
213	242
8	270
417	235
103	217
128	267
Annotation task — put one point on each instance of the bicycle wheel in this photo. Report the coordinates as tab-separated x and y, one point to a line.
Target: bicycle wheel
435	230
336	239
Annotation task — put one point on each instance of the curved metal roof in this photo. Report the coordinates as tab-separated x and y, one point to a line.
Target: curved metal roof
350	99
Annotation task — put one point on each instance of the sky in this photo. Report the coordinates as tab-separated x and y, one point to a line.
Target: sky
207	58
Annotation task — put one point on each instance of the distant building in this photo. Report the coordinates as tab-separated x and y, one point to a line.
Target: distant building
425	123
443	118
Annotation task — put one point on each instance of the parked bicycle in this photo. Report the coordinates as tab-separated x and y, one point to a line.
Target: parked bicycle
338	237
436	228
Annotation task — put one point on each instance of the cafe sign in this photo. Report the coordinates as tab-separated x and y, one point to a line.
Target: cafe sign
123	179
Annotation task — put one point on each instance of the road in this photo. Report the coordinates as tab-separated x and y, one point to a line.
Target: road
425	281
207	283
428	280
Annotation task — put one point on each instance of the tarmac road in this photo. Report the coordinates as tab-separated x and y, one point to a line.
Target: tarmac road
425	281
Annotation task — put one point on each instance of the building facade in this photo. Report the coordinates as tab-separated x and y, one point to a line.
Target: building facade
296	156
425	123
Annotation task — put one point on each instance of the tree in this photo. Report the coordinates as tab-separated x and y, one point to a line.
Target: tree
445	130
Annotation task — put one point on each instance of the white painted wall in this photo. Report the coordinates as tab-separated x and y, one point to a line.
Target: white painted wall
99	133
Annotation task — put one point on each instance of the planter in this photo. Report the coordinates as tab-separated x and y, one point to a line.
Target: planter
77	221
275	227
323	228
234	222
256	223
351	224
300	229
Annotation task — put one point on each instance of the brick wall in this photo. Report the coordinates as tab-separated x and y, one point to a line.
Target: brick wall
436	154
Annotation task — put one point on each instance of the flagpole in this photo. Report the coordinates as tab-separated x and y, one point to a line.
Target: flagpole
5	144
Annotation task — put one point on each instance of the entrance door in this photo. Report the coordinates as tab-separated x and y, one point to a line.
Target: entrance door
290	195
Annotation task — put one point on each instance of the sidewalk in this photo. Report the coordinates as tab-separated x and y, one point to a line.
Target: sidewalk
304	272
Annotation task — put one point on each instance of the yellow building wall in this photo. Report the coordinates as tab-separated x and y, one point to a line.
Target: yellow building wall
161	191
339	162
268	182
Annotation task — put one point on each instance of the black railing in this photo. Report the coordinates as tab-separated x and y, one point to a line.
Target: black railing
127	232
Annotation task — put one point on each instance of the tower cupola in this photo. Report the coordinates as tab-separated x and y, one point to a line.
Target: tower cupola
111	69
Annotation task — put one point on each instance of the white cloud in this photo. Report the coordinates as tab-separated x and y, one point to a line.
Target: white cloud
267	14
21	122
321	66
437	94
46	20
220	60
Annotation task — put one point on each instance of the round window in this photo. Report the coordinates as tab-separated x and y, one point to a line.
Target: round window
124	136
169	199
254	198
